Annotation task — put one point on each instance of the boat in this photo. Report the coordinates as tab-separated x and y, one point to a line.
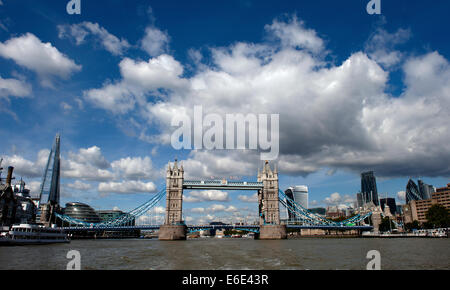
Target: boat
32	234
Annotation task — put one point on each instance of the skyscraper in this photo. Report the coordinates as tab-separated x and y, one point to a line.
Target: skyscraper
369	187
425	189
421	192
390	202
299	194
359	200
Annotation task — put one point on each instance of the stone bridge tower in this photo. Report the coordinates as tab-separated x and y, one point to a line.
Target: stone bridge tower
174	228
174	194
269	209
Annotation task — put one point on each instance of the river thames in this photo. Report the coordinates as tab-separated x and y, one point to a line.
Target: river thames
233	254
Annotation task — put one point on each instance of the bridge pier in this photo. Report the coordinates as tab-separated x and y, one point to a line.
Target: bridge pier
272	232
172	232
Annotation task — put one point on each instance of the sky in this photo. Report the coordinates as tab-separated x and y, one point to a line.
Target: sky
353	91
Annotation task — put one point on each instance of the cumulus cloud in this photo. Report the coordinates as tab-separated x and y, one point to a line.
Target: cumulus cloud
206	195
381	46
14	88
130	186
79	32
336	199
78	185
332	115
155	41
134	168
26	168
139	78
87	164
294	34
251	199
43	58
401	195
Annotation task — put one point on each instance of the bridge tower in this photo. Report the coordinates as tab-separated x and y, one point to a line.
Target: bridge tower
269	210
174	227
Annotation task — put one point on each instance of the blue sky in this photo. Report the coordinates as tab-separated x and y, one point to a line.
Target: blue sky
354	92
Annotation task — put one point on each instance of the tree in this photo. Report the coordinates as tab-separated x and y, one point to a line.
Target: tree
412	226
438	216
386	225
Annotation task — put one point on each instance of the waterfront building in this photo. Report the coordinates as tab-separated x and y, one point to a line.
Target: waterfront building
82	212
417	209
26	209
319	210
299	194
390	203
334	212
108	215
369	188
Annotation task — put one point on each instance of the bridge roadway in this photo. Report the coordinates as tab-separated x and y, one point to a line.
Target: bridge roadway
216	227
222	184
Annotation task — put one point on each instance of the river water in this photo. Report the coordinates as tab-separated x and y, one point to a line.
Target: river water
233	254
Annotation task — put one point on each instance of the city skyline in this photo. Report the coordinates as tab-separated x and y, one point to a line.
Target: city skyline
112	86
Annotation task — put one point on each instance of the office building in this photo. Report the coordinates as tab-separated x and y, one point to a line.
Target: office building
299	194
417	209
319	210
81	212
425	190
369	188
418	192
390	203
109	215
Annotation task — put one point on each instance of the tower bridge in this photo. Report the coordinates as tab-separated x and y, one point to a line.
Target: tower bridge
269	199
268	204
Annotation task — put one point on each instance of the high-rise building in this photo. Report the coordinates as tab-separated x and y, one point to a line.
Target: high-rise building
369	187
421	192
359	200
425	190
412	191
390	203
417	209
299	194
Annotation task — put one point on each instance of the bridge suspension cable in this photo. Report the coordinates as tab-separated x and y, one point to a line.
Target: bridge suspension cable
306	216
122	219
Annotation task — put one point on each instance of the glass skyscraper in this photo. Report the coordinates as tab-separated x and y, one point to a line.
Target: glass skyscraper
414	192
369	187
299	194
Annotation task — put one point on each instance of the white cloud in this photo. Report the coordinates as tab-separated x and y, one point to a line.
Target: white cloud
26	168
139	78
43	58
78	185
206	195
82	30
333	115
134	168
338	200
381	46
127	187
251	199
401	195
14	88
155	41
294	34
87	164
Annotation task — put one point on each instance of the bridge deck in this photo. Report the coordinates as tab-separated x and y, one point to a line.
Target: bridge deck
222	184
206	227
